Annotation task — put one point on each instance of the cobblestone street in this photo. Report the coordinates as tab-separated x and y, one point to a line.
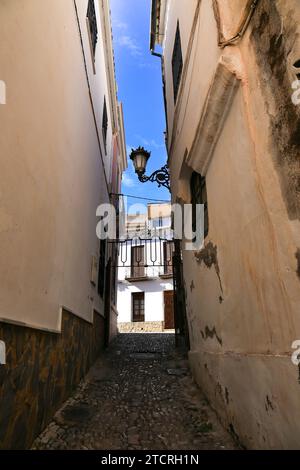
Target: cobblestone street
139	395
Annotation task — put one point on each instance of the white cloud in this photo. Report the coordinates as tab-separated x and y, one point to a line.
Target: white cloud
149	143
120	25
129	149
130	44
148	65
127	181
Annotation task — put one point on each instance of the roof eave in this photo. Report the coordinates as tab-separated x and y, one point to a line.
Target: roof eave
153	25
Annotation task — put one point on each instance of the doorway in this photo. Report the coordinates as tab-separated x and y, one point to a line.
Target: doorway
169	309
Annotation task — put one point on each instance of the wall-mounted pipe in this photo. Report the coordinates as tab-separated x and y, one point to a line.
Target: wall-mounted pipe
156	54
244	23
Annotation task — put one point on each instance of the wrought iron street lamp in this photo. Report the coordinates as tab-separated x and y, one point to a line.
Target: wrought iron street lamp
140	157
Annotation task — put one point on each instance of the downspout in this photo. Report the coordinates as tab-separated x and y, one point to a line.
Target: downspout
156	54
110	67
164	94
244	23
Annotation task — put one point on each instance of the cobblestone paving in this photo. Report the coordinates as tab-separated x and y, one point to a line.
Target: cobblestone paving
139	395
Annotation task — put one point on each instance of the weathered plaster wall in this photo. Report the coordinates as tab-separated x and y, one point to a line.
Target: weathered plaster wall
242	314
243	291
42	370
275	38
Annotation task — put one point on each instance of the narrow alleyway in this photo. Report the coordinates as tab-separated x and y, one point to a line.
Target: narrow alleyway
139	395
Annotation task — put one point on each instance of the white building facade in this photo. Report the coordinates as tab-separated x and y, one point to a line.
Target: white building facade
145	275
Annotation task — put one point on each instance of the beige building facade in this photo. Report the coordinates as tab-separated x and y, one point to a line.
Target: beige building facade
229	71
62	149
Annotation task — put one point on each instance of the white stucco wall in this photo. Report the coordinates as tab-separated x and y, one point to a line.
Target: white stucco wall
52	175
154	299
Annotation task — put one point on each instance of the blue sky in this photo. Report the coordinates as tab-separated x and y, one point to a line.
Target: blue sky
140	90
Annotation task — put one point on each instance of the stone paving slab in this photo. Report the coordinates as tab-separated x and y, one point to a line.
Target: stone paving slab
139	395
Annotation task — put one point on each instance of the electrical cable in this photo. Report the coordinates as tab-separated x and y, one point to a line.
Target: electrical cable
138	197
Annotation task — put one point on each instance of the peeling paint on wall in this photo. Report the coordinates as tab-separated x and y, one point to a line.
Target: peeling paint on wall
235	435
227	395
209	256
269	405
211	334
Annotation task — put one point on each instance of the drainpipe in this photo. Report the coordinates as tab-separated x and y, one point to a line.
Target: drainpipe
245	21
156	54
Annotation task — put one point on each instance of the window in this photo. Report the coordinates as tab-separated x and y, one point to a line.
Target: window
138	306
92	21
168	257
137	261
199	196
104	123
161	222
101	272
177	63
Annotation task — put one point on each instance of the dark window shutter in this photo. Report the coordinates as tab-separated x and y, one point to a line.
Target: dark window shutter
91	14
104	123
177	62
199	196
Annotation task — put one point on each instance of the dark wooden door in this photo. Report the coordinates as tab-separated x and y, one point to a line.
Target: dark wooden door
169	310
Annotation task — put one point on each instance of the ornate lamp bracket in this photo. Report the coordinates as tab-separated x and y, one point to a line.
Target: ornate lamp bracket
161	177
140	157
